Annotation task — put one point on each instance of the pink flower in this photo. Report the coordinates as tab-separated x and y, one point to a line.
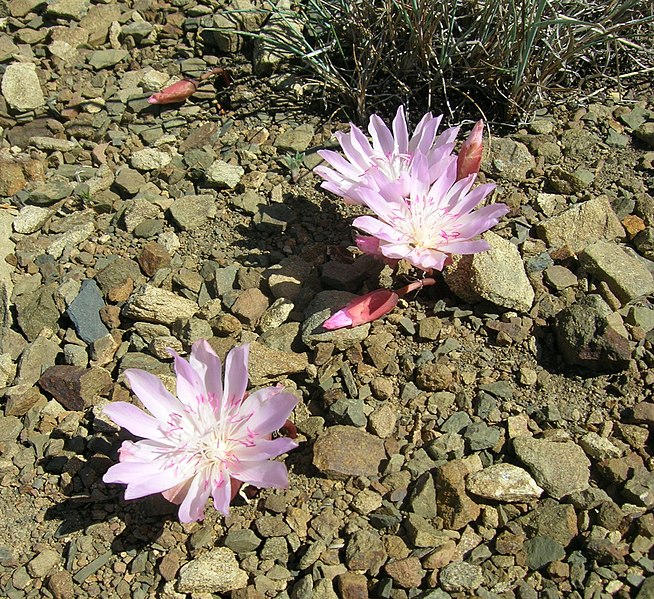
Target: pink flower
390	158
435	220
469	159
175	93
362	309
207	440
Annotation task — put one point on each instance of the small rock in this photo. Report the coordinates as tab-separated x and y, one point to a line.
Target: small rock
30	219
627	276
267	364
297	139
510	159
383	420
560	468
224	175
153	304
103	59
581	225
214	572
76	388
152	257
250	305
43	563
453	503
192	212
343	451
503	482
351	585
365	552
541	551
599	448
21	87
434	377
461	577
84	312
150	159
407	573
61	585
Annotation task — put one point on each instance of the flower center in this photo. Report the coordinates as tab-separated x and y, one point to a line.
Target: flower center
424	224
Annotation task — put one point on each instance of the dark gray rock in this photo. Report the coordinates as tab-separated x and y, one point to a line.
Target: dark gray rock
541	551
84	312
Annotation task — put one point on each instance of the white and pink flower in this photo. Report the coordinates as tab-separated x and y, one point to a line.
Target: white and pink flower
207	440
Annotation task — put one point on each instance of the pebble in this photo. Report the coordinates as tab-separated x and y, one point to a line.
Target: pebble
153	304
560	468
217	571
224	175
541	551
503	482
461	577
192	212
21	87
84	312
343	451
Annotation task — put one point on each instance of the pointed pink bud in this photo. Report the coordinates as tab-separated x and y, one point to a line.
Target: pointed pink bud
362	309
175	93
469	159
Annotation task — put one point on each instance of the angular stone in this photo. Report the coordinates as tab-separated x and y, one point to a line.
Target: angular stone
43	563
503	482
453	503
581	225
150	159
192	212
365	552
541	551
560	468
153	304
497	275
510	159
37	357
407	572
461	577
627	276
84	312
586	336
102	59
267	364
351	585
30	219
152	257
296	139
21	87
214	572
242	541
250	305
37	311
224	175
61	585
76	388
344	451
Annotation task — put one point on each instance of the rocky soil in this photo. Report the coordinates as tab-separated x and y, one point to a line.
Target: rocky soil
489	438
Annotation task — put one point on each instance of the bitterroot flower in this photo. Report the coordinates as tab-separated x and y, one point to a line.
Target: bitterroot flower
390	158
433	222
207	440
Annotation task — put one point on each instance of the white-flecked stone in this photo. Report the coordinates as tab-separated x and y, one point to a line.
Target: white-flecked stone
73	237
150	159
215	572
30	219
154	304
225	175
21	87
7	246
599	448
503	482
52	143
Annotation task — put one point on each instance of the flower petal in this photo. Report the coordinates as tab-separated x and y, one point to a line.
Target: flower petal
222	496
207	364
400	132
135	420
192	507
153	395
263	474
190	386
382	138
236	375
271	407
265	449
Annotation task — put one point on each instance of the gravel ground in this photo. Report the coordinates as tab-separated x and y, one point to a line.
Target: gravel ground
489	438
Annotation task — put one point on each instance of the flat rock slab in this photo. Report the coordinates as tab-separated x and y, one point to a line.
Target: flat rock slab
497	275
582	225
153	304
215	572
344	451
560	468
626	275
503	482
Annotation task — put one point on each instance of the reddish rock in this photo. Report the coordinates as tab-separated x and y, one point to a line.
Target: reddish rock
407	573
74	387
153	256
453	503
344	451
352	586
250	305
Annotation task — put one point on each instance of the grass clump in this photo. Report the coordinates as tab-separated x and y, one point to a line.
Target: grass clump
373	54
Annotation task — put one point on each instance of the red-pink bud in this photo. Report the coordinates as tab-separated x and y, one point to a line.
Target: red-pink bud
469	159
175	93
362	309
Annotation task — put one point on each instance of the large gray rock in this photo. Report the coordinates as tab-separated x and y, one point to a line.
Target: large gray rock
560	468
587	336
153	304
21	87
497	275
215	572
344	451
581	225
627	276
